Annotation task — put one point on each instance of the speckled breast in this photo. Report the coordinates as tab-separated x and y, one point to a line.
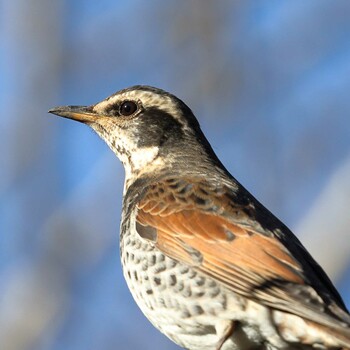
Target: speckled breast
181	302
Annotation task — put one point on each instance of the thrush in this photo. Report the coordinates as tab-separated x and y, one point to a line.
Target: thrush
206	262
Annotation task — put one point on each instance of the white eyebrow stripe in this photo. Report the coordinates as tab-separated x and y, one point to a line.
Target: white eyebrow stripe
147	98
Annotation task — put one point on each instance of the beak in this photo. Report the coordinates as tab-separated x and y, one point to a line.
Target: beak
81	114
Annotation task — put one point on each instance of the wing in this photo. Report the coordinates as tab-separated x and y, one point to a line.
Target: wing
231	237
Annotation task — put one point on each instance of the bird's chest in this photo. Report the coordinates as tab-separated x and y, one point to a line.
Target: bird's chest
186	305
177	299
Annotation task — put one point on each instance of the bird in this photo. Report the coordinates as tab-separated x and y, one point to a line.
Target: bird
205	261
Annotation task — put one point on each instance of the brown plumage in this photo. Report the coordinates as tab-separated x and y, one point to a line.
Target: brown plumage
207	229
208	264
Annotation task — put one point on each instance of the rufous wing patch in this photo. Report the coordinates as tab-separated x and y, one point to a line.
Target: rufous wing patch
206	228
226	248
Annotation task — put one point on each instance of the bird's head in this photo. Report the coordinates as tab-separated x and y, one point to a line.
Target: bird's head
147	128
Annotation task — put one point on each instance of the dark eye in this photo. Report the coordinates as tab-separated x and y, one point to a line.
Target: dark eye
128	108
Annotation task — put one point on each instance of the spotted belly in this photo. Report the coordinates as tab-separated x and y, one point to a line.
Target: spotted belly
184	304
192	309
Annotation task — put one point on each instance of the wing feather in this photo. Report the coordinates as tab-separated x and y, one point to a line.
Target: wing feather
225	240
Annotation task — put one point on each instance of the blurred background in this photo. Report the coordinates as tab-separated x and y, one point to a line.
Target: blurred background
270	84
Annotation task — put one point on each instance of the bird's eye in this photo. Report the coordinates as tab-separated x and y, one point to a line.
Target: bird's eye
128	108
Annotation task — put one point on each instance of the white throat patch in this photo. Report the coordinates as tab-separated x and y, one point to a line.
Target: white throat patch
136	160
143	156
142	160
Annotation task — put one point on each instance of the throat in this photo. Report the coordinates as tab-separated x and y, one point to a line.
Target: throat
141	161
